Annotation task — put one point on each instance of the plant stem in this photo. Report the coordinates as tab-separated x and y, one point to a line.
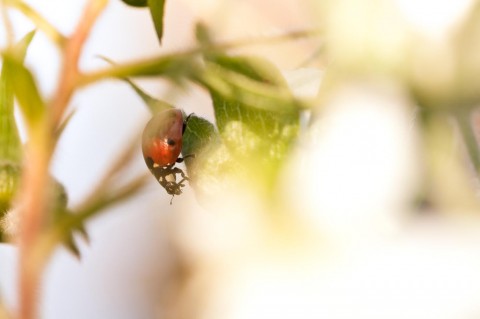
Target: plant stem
168	64
34	205
51	237
7	23
73	49
163	64
34	195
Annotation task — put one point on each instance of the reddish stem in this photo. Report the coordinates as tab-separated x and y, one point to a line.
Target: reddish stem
72	53
34	195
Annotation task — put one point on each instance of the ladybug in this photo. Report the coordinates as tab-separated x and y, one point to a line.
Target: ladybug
161	147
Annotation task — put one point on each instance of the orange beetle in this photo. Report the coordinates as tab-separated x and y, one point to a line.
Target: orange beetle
162	145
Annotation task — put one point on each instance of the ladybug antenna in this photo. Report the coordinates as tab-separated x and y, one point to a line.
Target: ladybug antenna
188	117
171	199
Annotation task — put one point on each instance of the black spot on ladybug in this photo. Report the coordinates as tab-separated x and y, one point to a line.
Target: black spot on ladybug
171	142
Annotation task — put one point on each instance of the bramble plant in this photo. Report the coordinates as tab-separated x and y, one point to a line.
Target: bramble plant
257	118
246	90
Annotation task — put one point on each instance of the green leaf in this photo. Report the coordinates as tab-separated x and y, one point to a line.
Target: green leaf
10	144
136	3
203	35
155	105
239	84
211	167
26	91
157	8
20	49
199	134
11	150
253	67
61	213
251	143
106	193
103	199
250	133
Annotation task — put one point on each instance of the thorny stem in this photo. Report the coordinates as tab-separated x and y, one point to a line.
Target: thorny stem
72	54
33	199
34	193
98	200
50	238
34	196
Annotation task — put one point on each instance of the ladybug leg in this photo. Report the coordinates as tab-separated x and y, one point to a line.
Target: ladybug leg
181	159
180	183
159	172
184	177
177	170
166	176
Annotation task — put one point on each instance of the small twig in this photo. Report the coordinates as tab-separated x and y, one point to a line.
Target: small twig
38	20
167	62
104	195
98	204
121	160
7	23
33	208
51	237
72	53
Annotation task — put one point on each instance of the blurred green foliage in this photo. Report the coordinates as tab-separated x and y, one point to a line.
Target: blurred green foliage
11	149
257	117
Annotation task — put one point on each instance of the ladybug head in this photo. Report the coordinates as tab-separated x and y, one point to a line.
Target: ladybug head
173	188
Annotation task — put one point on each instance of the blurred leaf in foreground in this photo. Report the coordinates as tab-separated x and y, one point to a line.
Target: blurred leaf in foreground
10	145
201	139
157	10
26	91
259	137
16	80
60	212
251	142
155	105
11	149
